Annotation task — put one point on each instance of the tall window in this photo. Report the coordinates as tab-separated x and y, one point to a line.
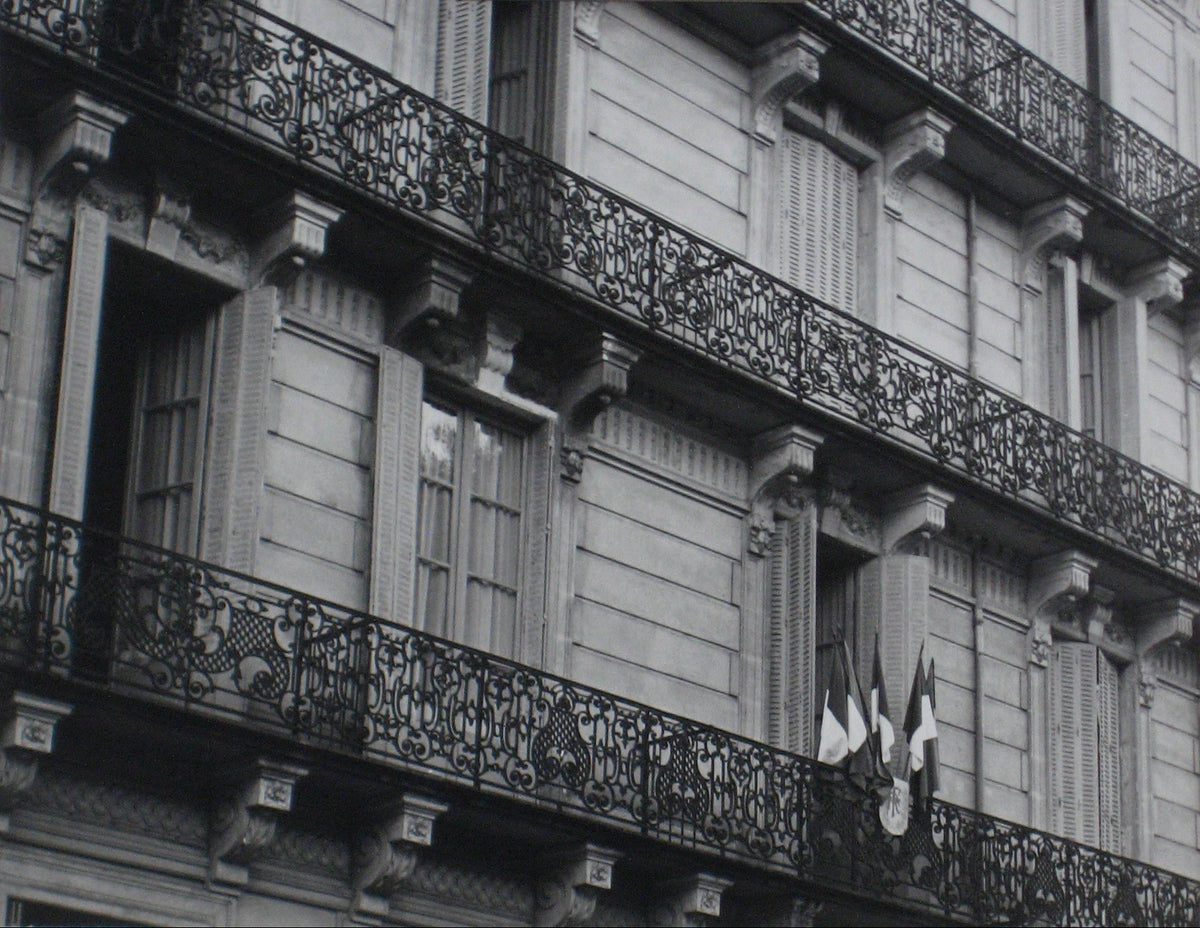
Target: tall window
1085	738
837	608
470	540
818	220
1093	352
170	410
517	87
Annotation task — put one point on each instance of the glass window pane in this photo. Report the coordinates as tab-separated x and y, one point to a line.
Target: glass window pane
497	464
439	443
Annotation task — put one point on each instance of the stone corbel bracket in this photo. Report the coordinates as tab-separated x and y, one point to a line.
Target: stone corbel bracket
694	901
601	378
295	233
1158	284
782	460
1048	227
243	824
500	338
912	145
587	20
387	853
169	213
434	294
27	734
784	67
76	133
571	883
1055	581
919	512
1163	624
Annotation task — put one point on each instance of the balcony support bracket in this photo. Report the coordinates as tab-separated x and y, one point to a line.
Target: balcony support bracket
919	512
295	230
783	68
27	734
601	379
1048	227
243	823
783	460
571	883
388	852
434	294
913	144
1056	584
1158	284
76	137
690	902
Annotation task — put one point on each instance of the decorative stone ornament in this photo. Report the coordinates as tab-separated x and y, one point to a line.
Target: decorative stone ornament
295	232
601	378
387	853
914	144
691	902
27	733
571	884
784	67
243	823
783	459
917	512
1158	284
1048	227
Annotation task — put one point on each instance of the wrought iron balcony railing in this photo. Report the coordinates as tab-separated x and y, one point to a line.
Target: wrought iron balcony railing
231	65
109	613
976	64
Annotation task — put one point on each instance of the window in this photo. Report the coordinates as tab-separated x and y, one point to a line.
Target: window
170	410
1094	352
818	220
30	914
520	41
1084	750
837	608
470	540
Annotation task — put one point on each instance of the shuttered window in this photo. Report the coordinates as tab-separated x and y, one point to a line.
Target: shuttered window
168	436
1091	374
470	537
790	703
464	33
518	103
818	220
1085	762
1064	43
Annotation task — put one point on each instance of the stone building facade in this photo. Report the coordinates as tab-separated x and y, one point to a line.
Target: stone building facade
443	445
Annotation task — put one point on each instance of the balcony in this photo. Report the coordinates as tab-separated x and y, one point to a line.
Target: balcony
97	613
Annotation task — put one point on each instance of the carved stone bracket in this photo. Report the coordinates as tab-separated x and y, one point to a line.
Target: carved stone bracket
500	338
295	232
76	134
912	145
27	733
1158	284
587	20
571	884
1056	582
694	901
783	68
782	460
601	378
1048	227
243	823
434	293
387	853
1147	682
920	511
168	217
1168	622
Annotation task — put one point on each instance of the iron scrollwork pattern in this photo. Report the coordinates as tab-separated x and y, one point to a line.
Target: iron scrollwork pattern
261	77
109	613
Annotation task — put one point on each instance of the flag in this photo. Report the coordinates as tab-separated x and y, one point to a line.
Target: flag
920	728
883	734
933	767
862	764
833	746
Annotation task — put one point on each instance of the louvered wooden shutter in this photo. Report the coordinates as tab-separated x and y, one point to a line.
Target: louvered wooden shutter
464	37
77	378
537	530
792	634
234	462
1109	755
1064	39
396	474
818	220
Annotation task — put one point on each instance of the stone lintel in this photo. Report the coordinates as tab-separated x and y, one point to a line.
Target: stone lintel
1159	284
1062	577
77	132
572	881
1049	226
294	233
912	145
783	68
920	510
434	292
1166	622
